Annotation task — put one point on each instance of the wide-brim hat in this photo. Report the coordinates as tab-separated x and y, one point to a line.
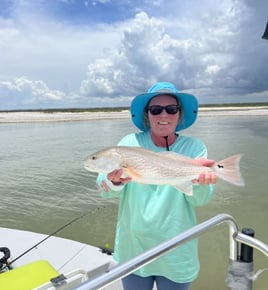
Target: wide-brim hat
188	102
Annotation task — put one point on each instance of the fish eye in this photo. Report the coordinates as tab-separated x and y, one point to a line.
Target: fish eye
94	157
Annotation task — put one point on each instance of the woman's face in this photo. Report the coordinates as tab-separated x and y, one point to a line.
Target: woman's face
163	124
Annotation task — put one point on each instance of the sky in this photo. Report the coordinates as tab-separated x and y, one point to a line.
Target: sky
102	53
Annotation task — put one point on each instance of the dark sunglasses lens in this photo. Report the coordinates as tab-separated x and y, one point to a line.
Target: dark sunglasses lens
156	110
172	109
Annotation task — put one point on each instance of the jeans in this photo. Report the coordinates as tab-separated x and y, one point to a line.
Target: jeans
135	282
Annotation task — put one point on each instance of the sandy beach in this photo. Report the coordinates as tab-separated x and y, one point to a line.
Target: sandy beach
25	117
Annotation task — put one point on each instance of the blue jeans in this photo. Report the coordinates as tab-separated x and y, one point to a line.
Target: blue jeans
135	282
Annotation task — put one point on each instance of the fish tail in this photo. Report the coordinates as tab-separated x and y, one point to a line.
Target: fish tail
228	170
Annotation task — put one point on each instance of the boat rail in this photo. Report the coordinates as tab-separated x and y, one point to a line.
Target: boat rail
126	268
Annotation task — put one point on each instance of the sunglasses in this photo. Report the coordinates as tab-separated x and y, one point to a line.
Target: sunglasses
170	109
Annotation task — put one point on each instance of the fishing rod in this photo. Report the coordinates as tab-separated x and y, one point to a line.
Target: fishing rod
8	264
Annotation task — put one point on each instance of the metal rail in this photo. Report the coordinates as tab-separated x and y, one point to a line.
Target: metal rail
252	242
124	269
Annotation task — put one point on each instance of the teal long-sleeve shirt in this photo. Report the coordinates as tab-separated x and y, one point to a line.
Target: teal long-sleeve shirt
151	214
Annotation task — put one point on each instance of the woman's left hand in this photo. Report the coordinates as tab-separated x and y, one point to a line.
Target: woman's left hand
205	178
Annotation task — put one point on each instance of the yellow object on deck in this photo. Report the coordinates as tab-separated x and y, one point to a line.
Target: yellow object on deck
28	276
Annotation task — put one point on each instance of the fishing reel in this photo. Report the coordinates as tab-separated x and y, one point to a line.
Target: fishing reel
106	249
4	259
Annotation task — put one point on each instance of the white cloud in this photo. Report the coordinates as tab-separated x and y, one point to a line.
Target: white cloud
32	92
148	53
57	53
203	55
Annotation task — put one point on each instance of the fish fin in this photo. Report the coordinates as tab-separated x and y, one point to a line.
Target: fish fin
186	188
132	173
228	170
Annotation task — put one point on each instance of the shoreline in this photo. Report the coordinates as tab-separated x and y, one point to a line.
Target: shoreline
31	117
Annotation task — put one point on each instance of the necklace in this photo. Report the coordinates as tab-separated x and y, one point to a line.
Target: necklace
166	140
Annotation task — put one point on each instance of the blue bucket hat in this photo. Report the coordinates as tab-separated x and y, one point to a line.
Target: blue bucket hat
189	105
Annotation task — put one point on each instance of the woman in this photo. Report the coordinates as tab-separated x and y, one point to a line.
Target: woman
150	214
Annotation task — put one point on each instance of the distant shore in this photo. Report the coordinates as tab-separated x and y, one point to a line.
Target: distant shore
59	116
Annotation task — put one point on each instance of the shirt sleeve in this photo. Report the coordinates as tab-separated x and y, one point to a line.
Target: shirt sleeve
201	195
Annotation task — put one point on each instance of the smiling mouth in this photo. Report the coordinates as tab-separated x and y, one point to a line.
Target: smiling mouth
163	123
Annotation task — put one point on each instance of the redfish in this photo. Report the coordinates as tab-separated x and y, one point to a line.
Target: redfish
164	168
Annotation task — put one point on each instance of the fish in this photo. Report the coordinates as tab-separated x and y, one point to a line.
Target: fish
161	168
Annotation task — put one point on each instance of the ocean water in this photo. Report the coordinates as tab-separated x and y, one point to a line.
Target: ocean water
43	184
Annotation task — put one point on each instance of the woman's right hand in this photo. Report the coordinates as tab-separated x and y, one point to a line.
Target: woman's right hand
116	177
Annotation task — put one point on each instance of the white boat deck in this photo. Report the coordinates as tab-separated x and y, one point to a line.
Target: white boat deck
63	254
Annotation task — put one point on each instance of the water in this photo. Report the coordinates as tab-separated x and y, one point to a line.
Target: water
43	184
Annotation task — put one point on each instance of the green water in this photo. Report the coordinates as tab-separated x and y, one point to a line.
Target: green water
43	184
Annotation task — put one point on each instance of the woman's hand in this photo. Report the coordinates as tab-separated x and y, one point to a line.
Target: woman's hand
205	178
116	177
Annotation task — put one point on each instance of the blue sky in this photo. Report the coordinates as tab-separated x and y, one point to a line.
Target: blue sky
74	53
